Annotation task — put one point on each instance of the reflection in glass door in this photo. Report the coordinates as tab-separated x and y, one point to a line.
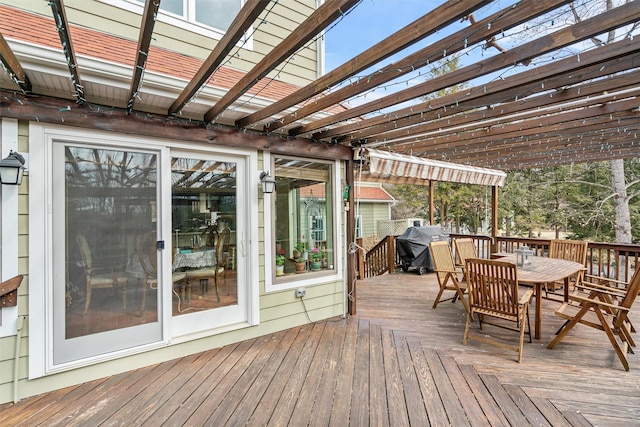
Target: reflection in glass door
105	257
204	227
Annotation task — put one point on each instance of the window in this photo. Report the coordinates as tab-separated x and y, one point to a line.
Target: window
304	216
358	226
216	14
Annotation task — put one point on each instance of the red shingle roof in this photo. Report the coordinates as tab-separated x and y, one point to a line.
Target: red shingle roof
42	31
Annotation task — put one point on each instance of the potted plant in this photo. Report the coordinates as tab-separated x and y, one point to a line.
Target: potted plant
280	263
300	264
316	259
299	250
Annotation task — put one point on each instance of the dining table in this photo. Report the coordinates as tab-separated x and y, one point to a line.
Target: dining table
539	271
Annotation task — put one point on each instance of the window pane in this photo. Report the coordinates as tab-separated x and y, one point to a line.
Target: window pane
110	204
217	13
304	223
203	194
173	6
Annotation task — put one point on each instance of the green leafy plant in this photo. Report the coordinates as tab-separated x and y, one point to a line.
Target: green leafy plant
316	255
280	257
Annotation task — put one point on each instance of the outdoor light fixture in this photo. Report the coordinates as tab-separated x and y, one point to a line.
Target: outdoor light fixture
12	169
268	183
524	256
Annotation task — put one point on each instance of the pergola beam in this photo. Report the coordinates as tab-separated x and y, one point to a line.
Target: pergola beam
142	51
586	29
13	67
318	21
419	29
451	120
558	122
245	18
62	24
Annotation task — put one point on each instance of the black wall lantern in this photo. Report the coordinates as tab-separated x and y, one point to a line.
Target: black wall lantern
12	169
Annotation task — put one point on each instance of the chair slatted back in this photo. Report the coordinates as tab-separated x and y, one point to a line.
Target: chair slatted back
633	288
493	287
570	250
222	247
85	252
442	259
465	249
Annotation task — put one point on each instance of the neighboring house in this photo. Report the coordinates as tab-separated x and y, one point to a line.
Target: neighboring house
143	239
372	204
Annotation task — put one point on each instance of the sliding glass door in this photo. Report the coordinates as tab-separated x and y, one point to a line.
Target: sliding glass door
208	219
105	257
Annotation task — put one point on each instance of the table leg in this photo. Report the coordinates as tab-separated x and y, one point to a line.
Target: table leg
566	289
538	318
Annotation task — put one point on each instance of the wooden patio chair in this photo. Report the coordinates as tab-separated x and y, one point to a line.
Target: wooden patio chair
493	293
602	305
100	277
570	250
447	273
217	271
465	249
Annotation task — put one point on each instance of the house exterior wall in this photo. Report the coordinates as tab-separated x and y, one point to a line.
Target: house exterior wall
284	16
277	308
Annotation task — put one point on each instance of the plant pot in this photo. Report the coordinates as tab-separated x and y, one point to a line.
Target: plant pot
316	265
280	270
300	267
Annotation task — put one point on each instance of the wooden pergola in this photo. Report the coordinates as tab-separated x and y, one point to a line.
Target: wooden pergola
565	95
577	106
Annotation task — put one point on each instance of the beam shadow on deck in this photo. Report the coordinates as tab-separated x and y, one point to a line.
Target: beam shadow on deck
398	362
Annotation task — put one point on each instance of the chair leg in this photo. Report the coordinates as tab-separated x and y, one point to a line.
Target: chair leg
87	300
216	283
437	300
568	326
622	355
144	296
465	338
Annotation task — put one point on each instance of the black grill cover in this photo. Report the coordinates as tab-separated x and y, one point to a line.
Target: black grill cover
413	245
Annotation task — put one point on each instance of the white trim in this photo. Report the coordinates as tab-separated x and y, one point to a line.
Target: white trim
40	59
309	279
182	22
41	269
9	223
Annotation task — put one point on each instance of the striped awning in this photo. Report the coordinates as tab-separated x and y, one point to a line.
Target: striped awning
397	168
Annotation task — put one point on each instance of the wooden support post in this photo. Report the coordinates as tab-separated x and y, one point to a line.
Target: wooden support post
391	255
351	231
494	218
432	215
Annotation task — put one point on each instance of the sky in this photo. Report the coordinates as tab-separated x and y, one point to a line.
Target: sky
370	22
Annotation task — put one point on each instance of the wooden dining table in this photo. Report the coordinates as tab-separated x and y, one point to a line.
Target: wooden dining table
543	270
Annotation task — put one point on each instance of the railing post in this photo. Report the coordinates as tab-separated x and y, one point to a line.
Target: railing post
391	254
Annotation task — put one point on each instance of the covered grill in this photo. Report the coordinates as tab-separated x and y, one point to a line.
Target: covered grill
413	247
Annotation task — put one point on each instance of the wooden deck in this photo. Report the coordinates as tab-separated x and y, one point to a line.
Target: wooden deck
398	362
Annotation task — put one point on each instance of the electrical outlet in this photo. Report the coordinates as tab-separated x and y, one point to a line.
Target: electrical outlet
301	292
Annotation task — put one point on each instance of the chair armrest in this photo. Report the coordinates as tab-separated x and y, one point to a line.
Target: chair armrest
590	278
599	303
589	287
526	297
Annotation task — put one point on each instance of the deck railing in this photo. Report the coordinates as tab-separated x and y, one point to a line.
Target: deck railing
376	261
616	261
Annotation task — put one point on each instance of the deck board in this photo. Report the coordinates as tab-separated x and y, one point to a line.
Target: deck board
398	362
